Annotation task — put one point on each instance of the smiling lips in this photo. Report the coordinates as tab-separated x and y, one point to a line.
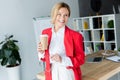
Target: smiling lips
61	21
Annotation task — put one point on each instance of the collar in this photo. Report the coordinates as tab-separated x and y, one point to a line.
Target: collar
61	30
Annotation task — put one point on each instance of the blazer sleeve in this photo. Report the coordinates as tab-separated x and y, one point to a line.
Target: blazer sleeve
48	32
78	53
42	56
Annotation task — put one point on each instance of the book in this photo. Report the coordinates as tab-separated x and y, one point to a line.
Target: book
85	25
97	22
102	38
114	58
109	35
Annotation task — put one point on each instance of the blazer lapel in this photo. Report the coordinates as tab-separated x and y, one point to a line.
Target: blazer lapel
68	42
49	36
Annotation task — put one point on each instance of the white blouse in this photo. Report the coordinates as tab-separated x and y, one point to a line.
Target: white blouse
57	46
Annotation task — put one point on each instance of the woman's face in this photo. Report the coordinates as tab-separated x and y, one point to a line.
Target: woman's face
62	17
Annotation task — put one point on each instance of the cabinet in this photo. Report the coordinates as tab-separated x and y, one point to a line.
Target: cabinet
100	32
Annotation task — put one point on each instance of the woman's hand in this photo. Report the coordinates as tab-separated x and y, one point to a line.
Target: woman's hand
39	49
56	58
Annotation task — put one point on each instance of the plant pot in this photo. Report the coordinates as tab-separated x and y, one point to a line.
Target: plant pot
13	73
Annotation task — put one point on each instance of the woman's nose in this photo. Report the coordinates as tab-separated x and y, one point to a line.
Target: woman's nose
62	16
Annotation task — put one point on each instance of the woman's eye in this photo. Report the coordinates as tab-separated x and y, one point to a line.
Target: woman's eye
66	15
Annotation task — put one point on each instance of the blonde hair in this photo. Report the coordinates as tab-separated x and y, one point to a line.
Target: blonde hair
56	8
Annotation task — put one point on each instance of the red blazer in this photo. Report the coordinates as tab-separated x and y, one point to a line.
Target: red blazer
74	50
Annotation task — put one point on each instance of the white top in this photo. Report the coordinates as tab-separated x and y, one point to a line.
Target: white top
57	46
59	71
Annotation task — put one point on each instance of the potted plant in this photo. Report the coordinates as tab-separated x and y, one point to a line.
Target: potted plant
9	55
110	24
118	51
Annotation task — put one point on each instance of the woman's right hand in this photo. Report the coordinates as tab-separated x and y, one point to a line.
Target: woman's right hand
39	49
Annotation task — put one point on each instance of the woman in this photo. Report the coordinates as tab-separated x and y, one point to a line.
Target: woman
65	47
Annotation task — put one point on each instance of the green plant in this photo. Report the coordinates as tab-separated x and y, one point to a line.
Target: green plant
9	52
110	24
119	49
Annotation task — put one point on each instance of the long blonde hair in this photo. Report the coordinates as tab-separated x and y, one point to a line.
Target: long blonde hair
56	8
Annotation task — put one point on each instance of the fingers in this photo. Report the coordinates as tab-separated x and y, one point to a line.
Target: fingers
56	58
39	49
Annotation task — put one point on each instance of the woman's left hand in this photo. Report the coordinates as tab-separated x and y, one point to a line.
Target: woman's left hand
56	57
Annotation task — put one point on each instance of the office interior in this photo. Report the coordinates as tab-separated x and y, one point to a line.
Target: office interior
16	18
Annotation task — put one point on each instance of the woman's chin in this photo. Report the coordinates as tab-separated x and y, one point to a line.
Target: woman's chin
62	24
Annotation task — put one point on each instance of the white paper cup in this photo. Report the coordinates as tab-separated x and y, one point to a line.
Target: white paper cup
44	41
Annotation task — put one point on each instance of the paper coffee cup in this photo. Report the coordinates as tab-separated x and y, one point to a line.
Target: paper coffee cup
44	41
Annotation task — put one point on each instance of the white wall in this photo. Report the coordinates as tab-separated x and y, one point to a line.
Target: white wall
16	18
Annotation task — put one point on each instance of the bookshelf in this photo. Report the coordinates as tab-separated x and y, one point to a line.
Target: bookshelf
100	32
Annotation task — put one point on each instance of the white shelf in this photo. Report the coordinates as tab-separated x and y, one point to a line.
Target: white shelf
96	32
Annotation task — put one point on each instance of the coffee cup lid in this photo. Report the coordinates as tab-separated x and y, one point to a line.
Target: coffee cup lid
43	35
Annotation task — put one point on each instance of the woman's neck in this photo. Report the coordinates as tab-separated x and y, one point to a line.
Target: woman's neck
56	29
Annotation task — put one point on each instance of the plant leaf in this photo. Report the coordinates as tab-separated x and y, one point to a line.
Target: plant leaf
10	36
4	46
17	56
7	53
16	47
19	60
4	61
2	42
12	60
1	54
15	40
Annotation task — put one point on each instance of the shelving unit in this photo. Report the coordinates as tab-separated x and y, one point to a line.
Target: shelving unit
99	32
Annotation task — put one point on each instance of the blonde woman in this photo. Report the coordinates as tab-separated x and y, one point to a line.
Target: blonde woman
65	47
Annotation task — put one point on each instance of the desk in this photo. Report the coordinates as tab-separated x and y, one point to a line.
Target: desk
99	71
